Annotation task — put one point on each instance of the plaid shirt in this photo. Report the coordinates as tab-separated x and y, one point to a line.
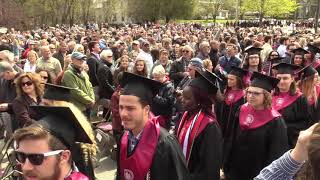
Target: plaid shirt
133	141
283	168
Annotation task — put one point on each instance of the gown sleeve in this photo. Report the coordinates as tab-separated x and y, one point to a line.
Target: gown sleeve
278	141
209	153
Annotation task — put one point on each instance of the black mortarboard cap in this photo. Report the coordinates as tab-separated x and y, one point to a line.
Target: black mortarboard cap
285	68
263	81
299	51
277	60
62	123
239	72
314	49
56	92
139	86
206	81
306	72
253	50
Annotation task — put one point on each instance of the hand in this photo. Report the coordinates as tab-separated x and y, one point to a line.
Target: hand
185	74
3	107
300	151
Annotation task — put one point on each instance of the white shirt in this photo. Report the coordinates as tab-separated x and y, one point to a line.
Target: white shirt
282	49
27	67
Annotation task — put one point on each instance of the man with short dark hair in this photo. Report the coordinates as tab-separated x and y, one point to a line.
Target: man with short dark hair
48	148
146	150
62	52
93	62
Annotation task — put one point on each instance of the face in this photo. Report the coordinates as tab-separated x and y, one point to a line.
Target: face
206	49
164	56
158	77
96	48
231	51
32	57
78	63
44	76
63	47
188	101
274	55
132	113
255	96
124	62
27	85
139	66
46	53
109	58
232	81
49	169
146	48
297	60
81	49
315	78
186	53
191	71
254	60
285	82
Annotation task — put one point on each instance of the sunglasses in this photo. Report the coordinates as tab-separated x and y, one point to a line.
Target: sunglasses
185	51
28	83
44	77
35	159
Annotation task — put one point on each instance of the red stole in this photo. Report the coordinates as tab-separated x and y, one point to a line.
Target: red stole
198	123
250	118
233	96
77	176
137	166
283	100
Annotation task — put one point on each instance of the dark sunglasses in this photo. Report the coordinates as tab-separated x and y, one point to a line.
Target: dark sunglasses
28	83
35	159
185	51
44	77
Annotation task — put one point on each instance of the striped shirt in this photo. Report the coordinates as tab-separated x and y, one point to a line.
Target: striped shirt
283	168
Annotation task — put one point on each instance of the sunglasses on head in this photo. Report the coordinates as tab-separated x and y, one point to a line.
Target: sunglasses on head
35	159
28	83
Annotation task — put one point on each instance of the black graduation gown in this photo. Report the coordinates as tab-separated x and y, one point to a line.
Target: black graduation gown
253	149
297	118
168	161
226	113
206	155
315	112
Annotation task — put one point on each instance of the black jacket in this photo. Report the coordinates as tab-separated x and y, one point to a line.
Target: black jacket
93	63
177	69
162	104
105	80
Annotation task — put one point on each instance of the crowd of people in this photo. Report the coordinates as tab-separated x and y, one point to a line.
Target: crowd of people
187	101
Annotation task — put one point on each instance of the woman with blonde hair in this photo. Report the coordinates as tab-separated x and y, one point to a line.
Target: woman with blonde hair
29	92
31	63
311	89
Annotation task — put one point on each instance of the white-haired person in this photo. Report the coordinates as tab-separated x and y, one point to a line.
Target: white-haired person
162	103
104	74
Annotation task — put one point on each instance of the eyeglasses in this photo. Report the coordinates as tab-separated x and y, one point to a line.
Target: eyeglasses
253	93
185	51
28	83
109	56
35	159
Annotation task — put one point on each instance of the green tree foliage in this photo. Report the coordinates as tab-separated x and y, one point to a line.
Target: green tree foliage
270	8
142	10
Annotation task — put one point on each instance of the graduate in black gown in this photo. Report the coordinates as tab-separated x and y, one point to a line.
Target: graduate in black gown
146	150
310	87
290	102
233	98
259	135
199	133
